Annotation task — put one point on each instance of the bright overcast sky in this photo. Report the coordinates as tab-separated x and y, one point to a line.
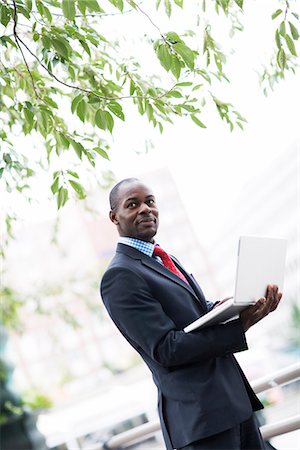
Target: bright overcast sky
209	166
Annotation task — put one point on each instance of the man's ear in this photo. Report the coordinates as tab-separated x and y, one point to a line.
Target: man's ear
113	217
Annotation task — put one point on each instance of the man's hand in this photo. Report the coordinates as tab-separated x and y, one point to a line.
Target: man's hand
262	307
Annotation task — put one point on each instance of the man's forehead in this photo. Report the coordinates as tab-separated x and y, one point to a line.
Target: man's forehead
135	189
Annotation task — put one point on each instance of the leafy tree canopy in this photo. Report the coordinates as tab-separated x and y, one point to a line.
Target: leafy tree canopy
58	70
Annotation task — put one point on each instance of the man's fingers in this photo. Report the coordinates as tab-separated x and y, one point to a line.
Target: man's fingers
277	300
262	307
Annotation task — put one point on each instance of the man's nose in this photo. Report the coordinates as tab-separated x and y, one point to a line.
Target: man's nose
145	209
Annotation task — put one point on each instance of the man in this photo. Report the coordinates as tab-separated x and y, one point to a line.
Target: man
205	401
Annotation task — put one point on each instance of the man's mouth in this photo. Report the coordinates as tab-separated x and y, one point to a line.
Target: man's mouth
148	219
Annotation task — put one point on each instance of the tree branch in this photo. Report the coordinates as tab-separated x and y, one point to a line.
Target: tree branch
19	47
87	91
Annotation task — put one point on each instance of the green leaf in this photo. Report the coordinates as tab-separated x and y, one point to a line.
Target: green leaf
82	6
54	185
46	41
116	109
291	45
68	7
50	102
239	3
64	140
168	7
47	13
179	3
132	87
175	94
276	13
72	73
186	54
282	30
109	121
149	111
60	47
28	4
281	58
100	119
197	121
29	106
185	83
75	102
86	47
295	15
74	174
93	100
101	152
78	189
28	116
294	31
5	15
173	37
7	158
118	4
5	39
40	7
93	6
277	39
77	147
160	106
175	66
164	56
198	86
62	197
81	110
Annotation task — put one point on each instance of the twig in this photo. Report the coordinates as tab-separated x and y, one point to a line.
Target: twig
150	20
286	10
22	53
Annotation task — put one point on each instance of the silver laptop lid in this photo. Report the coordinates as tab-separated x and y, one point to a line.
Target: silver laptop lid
261	261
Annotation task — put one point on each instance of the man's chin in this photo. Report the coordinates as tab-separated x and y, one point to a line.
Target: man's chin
147	235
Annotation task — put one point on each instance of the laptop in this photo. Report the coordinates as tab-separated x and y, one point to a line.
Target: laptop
261	261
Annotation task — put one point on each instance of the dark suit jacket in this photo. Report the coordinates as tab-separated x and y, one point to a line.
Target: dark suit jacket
202	390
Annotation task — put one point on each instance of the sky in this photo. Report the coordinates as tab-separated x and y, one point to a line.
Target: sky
210	166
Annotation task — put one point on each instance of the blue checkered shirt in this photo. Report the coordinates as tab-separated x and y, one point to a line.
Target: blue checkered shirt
144	247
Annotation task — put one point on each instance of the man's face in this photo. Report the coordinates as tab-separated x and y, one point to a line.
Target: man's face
136	214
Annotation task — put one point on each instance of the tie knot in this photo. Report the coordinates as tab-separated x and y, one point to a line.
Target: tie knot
158	251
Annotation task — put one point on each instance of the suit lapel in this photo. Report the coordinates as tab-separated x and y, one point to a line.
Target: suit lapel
162	270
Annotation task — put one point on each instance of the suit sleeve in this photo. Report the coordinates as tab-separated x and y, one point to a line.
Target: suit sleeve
142	320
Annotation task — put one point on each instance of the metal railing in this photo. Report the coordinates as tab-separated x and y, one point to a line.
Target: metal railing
278	378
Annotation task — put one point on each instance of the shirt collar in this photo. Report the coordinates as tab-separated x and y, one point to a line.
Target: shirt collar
143	246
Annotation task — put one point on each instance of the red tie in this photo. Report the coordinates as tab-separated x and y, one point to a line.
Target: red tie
167	261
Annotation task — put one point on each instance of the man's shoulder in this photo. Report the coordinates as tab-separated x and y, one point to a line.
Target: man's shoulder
125	257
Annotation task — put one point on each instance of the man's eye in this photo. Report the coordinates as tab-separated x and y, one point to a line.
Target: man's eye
131	205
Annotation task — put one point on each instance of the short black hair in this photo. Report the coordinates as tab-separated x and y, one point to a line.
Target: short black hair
113	195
